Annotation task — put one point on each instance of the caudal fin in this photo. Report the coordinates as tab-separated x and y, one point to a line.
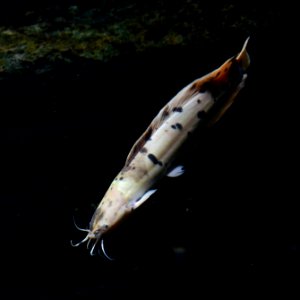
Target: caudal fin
243	57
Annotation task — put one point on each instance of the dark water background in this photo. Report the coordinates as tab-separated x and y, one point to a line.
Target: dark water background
228	227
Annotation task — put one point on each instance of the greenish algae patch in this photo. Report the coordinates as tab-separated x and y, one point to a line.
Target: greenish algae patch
103	35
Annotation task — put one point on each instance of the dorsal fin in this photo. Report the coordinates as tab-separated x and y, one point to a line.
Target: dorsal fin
139	144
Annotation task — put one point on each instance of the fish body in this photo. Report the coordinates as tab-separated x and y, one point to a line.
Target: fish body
203	101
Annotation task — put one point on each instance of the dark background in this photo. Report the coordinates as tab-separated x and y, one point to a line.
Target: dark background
228	227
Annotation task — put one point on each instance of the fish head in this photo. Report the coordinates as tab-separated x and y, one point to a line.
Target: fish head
111	211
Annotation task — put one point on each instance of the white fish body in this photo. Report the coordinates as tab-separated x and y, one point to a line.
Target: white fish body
203	101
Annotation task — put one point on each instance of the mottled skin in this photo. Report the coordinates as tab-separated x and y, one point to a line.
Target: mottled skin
203	101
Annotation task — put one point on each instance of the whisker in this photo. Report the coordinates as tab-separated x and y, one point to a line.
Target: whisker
92	250
81	229
84	240
103	250
88	243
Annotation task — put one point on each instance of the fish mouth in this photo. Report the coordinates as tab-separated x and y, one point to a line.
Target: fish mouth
94	234
93	237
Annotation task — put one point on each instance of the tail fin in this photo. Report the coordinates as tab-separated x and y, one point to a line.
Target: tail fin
231	76
243	57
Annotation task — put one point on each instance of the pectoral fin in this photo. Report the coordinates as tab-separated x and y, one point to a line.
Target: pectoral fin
145	197
177	171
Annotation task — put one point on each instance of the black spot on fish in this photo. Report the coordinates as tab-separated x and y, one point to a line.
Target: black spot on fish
144	150
218	74
198	101
177	109
121	178
177	126
201	114
153	158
